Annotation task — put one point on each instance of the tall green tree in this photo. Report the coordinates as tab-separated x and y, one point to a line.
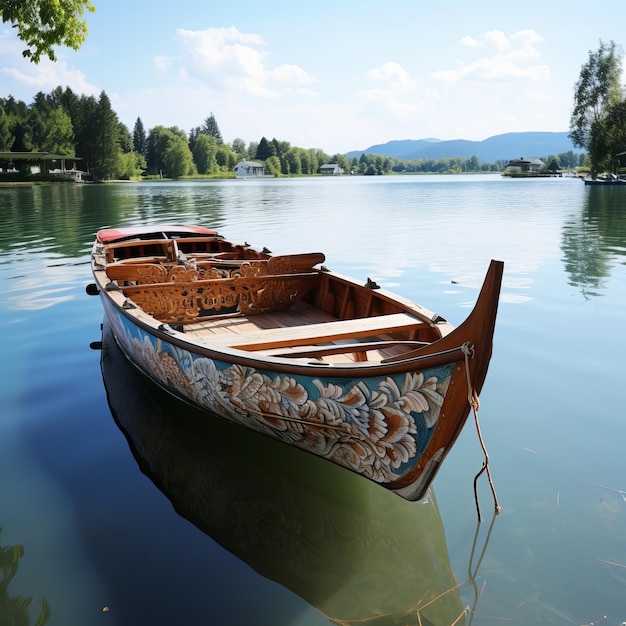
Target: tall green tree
107	139
157	143
204	151
265	150
139	137
178	159
43	24
210	127
126	139
598	88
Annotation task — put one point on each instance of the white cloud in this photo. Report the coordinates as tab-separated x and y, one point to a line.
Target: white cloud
509	59
498	39
470	42
227	61
23	77
393	88
290	73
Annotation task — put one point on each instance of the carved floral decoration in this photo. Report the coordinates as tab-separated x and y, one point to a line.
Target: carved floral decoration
374	427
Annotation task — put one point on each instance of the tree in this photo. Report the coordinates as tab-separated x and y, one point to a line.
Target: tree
125	138
239	147
130	165
225	158
272	165
139	137
292	162
609	138
159	139
204	151
265	150
211	128
178	160
107	139
597	89
56	134
43	24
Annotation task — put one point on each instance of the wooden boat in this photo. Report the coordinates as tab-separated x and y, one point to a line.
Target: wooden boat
350	372
351	550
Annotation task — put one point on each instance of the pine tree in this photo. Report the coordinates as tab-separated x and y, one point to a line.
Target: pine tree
265	150
211	128
107	138
139	137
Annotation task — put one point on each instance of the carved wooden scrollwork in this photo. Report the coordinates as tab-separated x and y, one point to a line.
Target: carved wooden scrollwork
187	301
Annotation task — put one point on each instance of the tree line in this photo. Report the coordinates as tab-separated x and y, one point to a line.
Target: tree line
65	123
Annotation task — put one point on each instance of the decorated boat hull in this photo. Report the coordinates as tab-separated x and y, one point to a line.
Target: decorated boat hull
391	420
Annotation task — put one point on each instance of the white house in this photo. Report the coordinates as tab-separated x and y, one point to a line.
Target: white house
245	169
331	169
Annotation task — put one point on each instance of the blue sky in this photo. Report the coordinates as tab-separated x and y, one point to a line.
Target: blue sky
338	76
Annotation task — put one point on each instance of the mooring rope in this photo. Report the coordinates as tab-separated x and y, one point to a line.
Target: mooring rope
472	398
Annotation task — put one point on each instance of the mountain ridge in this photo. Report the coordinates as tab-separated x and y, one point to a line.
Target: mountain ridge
502	147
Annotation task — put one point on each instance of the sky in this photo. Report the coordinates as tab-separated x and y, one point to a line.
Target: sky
338	76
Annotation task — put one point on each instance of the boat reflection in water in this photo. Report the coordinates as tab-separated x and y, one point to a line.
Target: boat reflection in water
354	551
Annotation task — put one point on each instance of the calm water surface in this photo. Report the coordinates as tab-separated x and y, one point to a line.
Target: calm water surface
123	499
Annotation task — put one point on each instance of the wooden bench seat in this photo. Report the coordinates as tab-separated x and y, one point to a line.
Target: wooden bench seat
310	334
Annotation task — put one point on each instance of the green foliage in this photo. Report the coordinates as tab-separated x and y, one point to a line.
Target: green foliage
5	131
59	134
48	128
157	144
126	139
292	162
272	166
226	158
130	165
239	148
178	159
596	94
106	139
43	24
210	127
139	137
265	150
204	152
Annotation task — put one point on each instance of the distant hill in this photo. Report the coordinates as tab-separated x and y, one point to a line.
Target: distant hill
497	148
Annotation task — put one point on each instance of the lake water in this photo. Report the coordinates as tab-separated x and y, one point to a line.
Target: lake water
131	511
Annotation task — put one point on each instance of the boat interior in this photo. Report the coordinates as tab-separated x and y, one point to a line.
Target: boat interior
225	296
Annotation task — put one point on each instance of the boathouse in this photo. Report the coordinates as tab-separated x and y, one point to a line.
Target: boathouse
57	165
331	169
247	169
